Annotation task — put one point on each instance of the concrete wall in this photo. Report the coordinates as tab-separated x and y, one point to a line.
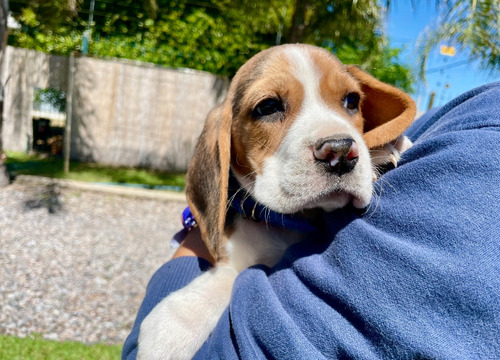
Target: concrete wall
124	113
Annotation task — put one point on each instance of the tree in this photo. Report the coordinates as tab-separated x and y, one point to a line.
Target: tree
384	64
339	22
4	11
216	35
470	25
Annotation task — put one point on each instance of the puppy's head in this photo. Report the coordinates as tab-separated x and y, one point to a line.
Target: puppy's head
296	128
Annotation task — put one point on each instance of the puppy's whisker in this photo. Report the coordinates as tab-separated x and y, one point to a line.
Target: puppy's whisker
377	194
237	160
249	175
241	188
267	216
382	181
231	199
381	156
371	209
378	198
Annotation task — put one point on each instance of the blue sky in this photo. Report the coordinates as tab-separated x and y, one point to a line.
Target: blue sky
403	28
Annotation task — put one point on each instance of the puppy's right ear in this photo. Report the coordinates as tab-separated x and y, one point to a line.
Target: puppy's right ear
208	176
387	111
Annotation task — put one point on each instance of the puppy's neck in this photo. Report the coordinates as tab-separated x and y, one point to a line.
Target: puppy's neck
241	202
249	243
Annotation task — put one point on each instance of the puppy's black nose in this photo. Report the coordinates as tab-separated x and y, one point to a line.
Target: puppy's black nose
338	156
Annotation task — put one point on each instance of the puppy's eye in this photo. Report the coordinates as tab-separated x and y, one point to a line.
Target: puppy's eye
268	107
351	101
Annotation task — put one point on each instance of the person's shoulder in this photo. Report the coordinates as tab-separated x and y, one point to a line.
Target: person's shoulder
477	108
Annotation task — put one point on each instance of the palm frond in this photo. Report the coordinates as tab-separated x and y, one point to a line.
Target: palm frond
472	26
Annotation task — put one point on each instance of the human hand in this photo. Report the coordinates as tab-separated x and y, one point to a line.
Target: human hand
193	245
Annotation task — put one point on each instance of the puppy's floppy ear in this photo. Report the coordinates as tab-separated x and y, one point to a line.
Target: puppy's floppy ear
387	111
208	176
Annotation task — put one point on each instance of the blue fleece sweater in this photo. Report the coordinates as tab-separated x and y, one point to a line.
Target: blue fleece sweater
415	277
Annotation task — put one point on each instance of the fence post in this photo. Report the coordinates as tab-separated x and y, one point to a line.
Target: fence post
69	112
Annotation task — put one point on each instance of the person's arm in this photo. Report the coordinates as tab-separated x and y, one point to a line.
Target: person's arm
189	261
193	245
416	276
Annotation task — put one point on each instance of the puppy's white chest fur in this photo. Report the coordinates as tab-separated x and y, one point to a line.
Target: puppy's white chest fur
202	302
253	243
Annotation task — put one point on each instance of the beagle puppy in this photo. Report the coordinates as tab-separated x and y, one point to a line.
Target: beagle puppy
298	133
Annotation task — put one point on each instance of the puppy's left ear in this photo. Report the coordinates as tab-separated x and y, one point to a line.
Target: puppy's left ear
387	111
208	176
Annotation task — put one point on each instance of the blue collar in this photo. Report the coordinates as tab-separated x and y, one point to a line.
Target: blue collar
243	203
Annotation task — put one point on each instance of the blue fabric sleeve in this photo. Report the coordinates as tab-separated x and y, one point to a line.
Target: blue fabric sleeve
172	276
416	276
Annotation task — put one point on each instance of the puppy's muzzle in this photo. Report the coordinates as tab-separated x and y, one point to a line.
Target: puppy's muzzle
337	155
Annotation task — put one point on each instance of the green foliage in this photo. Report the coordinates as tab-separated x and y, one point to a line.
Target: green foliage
197	40
45	26
472	26
36	348
340	22
216	36
53	97
383	64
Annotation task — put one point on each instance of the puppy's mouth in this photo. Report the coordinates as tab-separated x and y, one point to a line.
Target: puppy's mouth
335	200
306	187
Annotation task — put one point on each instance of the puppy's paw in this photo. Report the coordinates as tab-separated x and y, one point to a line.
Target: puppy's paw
179	325
389	153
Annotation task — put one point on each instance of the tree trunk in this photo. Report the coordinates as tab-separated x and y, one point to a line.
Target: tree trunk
4	13
296	32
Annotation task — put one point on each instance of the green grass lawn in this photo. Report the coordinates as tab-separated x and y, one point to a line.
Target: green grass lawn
37	348
33	164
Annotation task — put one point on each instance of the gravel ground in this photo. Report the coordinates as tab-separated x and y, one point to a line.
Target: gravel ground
74	264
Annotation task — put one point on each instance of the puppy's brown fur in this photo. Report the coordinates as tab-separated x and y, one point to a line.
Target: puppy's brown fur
231	138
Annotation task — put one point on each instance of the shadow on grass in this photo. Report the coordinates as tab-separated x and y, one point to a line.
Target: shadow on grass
23	164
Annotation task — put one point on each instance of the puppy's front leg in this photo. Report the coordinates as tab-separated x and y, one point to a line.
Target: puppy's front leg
391	152
179	325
